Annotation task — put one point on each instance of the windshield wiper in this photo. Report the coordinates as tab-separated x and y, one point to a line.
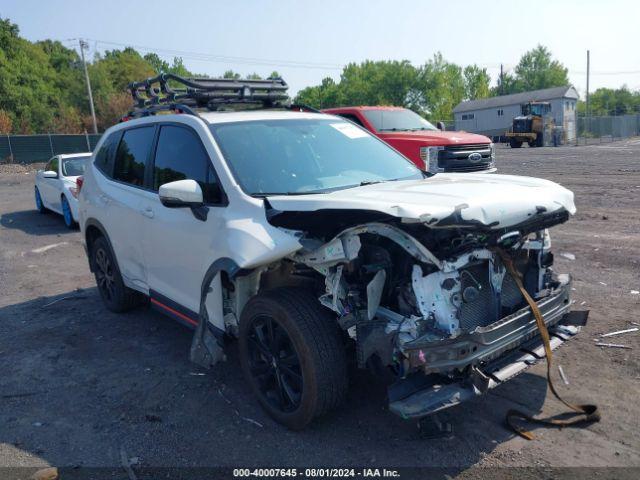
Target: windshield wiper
273	194
394	129
370	182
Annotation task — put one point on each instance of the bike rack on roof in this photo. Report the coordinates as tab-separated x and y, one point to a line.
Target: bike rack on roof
155	94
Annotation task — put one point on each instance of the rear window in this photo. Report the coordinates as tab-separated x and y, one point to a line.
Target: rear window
73	166
132	155
104	156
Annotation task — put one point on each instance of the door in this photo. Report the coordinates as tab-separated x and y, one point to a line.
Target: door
178	246
50	187
123	197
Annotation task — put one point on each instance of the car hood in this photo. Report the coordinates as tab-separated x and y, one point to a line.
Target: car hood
445	200
438	137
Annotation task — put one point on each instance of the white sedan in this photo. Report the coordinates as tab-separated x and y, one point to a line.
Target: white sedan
56	187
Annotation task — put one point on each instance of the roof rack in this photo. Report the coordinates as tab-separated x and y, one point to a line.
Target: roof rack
155	94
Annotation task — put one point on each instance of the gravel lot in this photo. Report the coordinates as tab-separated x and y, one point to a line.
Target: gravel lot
78	385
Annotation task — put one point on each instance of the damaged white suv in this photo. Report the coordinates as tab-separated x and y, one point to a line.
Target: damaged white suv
310	240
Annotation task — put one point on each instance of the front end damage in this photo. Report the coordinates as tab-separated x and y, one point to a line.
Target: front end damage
434	307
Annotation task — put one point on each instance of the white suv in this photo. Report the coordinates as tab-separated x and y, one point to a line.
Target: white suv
309	239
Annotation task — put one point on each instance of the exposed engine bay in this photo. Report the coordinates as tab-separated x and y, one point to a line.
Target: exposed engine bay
416	299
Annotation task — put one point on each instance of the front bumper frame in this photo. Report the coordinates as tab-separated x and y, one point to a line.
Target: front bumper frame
504	350
485	344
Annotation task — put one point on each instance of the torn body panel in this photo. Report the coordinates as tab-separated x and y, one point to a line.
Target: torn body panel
418	286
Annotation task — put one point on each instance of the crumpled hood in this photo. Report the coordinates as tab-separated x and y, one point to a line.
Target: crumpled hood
444	200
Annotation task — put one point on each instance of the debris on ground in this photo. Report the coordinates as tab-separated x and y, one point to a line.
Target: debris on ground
568	256
246	419
620	332
48	247
63	298
634	292
49	473
613	345
126	464
562	375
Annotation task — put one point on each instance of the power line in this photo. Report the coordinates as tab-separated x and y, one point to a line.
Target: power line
207	57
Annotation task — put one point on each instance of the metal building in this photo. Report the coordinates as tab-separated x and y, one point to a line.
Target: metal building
494	116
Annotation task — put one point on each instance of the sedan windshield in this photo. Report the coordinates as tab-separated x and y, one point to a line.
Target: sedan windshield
302	156
397	120
73	166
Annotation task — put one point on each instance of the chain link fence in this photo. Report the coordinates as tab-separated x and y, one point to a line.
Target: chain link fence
606	129
40	148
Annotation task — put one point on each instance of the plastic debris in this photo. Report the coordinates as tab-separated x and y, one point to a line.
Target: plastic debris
634	292
562	375
613	345
602	283
49	473
568	256
620	332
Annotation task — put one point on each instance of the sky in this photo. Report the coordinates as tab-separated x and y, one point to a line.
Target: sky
308	40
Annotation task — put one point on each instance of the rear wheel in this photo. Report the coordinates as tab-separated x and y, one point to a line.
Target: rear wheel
39	205
66	213
292	355
116	296
515	143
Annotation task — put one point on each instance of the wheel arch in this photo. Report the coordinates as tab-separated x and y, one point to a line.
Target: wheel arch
93	229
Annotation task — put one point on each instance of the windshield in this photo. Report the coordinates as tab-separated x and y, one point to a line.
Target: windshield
73	166
271	157
397	120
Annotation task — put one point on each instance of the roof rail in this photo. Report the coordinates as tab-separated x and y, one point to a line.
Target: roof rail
155	94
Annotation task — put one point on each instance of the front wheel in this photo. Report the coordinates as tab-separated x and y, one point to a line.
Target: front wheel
39	205
66	213
515	143
292	355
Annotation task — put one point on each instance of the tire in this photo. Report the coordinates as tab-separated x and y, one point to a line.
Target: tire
532	144
39	205
292	355
515	143
116	296
66	213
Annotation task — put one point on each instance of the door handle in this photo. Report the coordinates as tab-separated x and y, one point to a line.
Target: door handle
147	212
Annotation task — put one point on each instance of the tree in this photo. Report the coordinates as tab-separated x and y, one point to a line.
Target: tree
231	74
440	87
6	124
476	82
535	70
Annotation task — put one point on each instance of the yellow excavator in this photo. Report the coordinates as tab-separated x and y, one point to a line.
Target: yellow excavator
531	125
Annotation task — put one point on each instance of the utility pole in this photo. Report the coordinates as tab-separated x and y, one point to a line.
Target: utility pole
501	81
84	45
587	102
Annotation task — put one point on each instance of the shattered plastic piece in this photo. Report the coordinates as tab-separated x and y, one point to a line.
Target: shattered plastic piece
562	375
568	256
613	345
634	292
619	332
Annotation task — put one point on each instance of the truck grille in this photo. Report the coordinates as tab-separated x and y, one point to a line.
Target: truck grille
455	158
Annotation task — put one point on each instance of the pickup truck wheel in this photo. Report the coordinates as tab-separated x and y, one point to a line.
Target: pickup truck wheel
292	355
116	296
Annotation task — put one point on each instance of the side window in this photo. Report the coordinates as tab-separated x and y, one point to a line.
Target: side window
132	155
104	157
180	155
351	118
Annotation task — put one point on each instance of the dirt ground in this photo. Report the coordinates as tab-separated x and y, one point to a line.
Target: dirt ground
81	387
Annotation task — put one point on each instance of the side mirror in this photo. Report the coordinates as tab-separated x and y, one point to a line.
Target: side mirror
184	194
49	174
441	126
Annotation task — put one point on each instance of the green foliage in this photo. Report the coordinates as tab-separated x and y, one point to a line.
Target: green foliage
535	71
432	89
608	101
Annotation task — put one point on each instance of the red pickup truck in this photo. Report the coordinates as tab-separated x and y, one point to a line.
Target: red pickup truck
429	148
